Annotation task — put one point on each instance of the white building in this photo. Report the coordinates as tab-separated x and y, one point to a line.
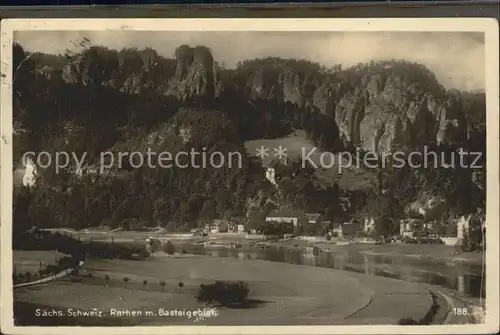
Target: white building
312	218
336	229
30	173
368	225
462	227
407	227
291	217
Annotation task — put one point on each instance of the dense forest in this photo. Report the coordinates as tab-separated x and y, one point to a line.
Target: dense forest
131	100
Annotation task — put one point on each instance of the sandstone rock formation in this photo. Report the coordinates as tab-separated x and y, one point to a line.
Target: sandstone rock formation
74	72
195	75
379	107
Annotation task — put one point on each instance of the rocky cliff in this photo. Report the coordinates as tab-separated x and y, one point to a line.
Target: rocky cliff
196	76
380	107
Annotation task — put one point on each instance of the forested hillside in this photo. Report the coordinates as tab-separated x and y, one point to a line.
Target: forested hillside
131	100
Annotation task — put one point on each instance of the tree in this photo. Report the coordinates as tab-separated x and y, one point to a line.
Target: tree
126	280
208	211
162	284
330	212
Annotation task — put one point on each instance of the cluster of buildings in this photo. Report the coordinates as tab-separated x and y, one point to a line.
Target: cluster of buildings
292	217
232	225
408	228
454	236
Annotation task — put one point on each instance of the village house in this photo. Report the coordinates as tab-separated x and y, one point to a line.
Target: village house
462	227
406	228
411	227
217	226
336	230
454	234
293	217
313	218
237	224
465	227
368	225
352	227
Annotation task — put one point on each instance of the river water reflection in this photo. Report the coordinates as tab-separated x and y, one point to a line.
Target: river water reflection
464	278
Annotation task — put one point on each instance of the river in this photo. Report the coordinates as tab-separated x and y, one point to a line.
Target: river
464	278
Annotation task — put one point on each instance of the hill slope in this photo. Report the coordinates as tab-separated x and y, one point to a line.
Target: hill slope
132	100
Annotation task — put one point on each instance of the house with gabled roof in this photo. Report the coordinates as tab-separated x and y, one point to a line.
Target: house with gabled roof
313	218
293	217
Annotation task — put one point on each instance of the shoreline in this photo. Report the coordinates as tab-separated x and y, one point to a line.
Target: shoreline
437	252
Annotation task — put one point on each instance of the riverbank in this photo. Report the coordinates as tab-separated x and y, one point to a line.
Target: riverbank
437	252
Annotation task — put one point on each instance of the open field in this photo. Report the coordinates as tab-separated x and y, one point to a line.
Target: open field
281	293
347	176
33	260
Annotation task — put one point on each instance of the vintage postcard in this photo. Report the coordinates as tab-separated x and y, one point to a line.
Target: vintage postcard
248	176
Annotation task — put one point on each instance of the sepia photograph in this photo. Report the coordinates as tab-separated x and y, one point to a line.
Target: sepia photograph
310	175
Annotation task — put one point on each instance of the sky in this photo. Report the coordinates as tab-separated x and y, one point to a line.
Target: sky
457	59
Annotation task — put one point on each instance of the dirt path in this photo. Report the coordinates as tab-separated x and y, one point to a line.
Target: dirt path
61	274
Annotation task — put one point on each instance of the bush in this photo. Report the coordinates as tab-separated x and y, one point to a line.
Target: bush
223	292
468	244
409	240
67	262
52	269
126	280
